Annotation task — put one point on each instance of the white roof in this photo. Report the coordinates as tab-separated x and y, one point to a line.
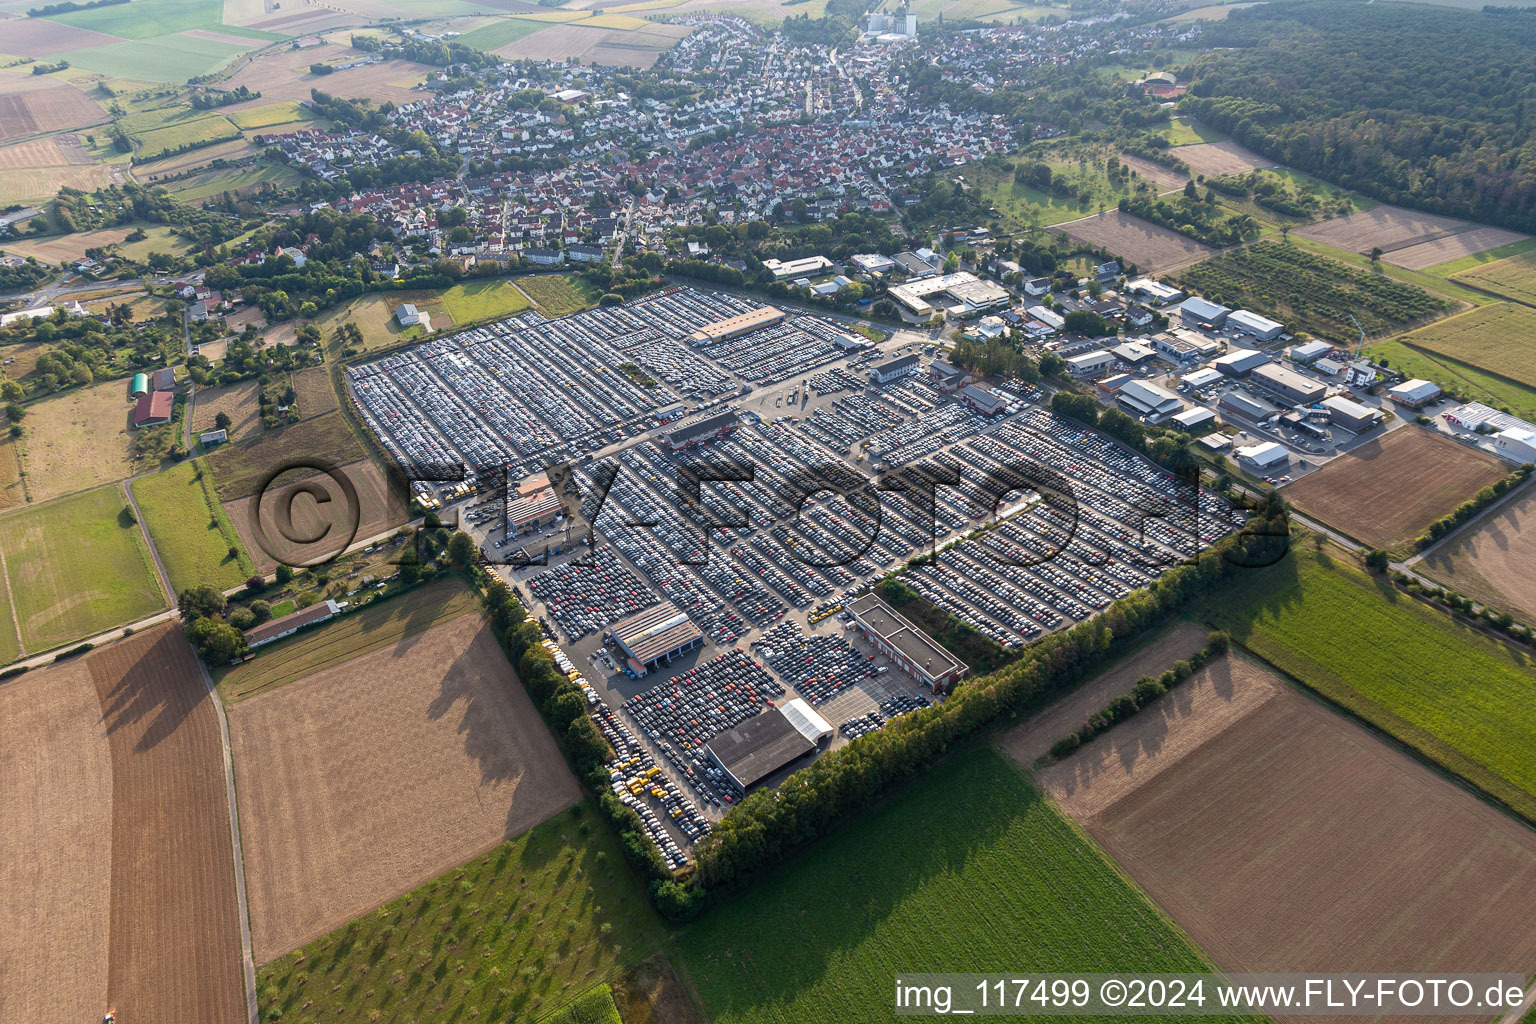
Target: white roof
1204	309
805	720
1088	358
1414	389
1200	378
1194	417
1348	406
1266	454
1253	322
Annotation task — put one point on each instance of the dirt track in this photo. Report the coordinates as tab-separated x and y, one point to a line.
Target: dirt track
1284	838
365	780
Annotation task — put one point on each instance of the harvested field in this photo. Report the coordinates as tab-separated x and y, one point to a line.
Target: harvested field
1387	491
379	509
67	247
55	855
53	151
316	397
284	75
39	184
238	400
422	754
1282	837
557	42
30	107
1490	562
171	166
175	931
78	439
241	469
1032	740
39	37
1157	174
1499	338
1215	159
1452	247
1386	227
25	356
1513	277
1153	249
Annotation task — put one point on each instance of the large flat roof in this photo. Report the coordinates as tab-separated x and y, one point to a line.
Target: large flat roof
739	324
656	631
758	747
918	646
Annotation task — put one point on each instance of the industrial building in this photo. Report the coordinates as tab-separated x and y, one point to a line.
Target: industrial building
1203	313
1264	456
140	385
1351	415
1089	364
535	505
967	296
163	379
1293	387
1180	345
1517	444
699	431
1247	406
1261	327
947	376
1240	362
872	263
1414	393
909	647
1154	291
1134	353
1308	353
762	745
1202	378
1148	401
894	369
1192	420
983	402
655	636
782	269
741	323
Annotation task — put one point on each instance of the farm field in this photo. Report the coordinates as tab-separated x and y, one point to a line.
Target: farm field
1499	338
1458	377
283	112
241	469
501	32
78	439
1215	159
360	632
374	315
1513	277
558	294
144	19
29	106
1386	492
1456	267
238	400
425	754
595	1006
1490	562
1389	228
181	163
482	300
1327	850
284	75
1163	177
12	491
239	180
164	58
59	248
1153	249
40	37
1184	131
379	510
315	396
185	135
610	40
1465	704
1311	292
1454	247
191	531
74	567
976	868
560	911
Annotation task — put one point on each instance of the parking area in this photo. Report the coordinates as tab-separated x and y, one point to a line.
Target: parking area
819	484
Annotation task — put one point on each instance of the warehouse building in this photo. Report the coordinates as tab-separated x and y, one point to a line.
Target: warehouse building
947	376
1414	393
140	385
534	507
894	369
1261	327
655	636
1203	378
1181	345
1203	313
760	746
741	323
1134	353
1247	406
1194	420
962	295
1240	362
1287	384
1089	364
1517	444
1148	401
163	379
1266	456
1308	353
700	431
782	269
1351	415
1153	291
910	648
979	401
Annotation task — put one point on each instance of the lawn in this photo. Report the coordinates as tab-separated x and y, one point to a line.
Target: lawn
77	566
77	439
1500	338
184	135
240	469
1512	275
483	300
967	869
381	623
559	294
190	529
10	649
518	931
1445	689
374	316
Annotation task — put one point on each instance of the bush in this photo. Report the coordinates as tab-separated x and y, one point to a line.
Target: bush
1064	746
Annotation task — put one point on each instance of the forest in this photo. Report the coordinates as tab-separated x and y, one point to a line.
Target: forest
1418	106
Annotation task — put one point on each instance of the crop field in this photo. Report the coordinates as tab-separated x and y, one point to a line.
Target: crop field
1454	247
1184	131
1513	277
52	151
66	247
424	754
966	866
29	107
501	32
483	300
1455	376
595	1006
185	134
1490	562
1464	704
1387	491
75	567
1500	338
39	184
164	58
1388	228
284	75
238	400
1153	249
78	439
181	163
1311	292
241	468
239	180
379	510
40	37
12	491
559	294
191	531
316	397
1323	849
557	911
360	632
1215	159
282	112
1163	177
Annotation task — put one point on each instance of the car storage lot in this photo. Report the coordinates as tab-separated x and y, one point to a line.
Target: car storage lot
767	592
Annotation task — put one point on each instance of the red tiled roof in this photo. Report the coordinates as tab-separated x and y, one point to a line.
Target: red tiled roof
153	406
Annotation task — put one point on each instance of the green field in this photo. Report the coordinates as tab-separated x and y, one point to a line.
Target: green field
76	567
500	33
231	179
191	531
559	294
1500	338
966	869
239	469
168	58
356	633
145	18
284	112
1445	689
518	931
594	1007
1513	277
1462	378
1186	132
10	647
186	134
483	300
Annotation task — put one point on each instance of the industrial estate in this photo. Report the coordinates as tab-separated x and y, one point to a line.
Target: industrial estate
689	512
